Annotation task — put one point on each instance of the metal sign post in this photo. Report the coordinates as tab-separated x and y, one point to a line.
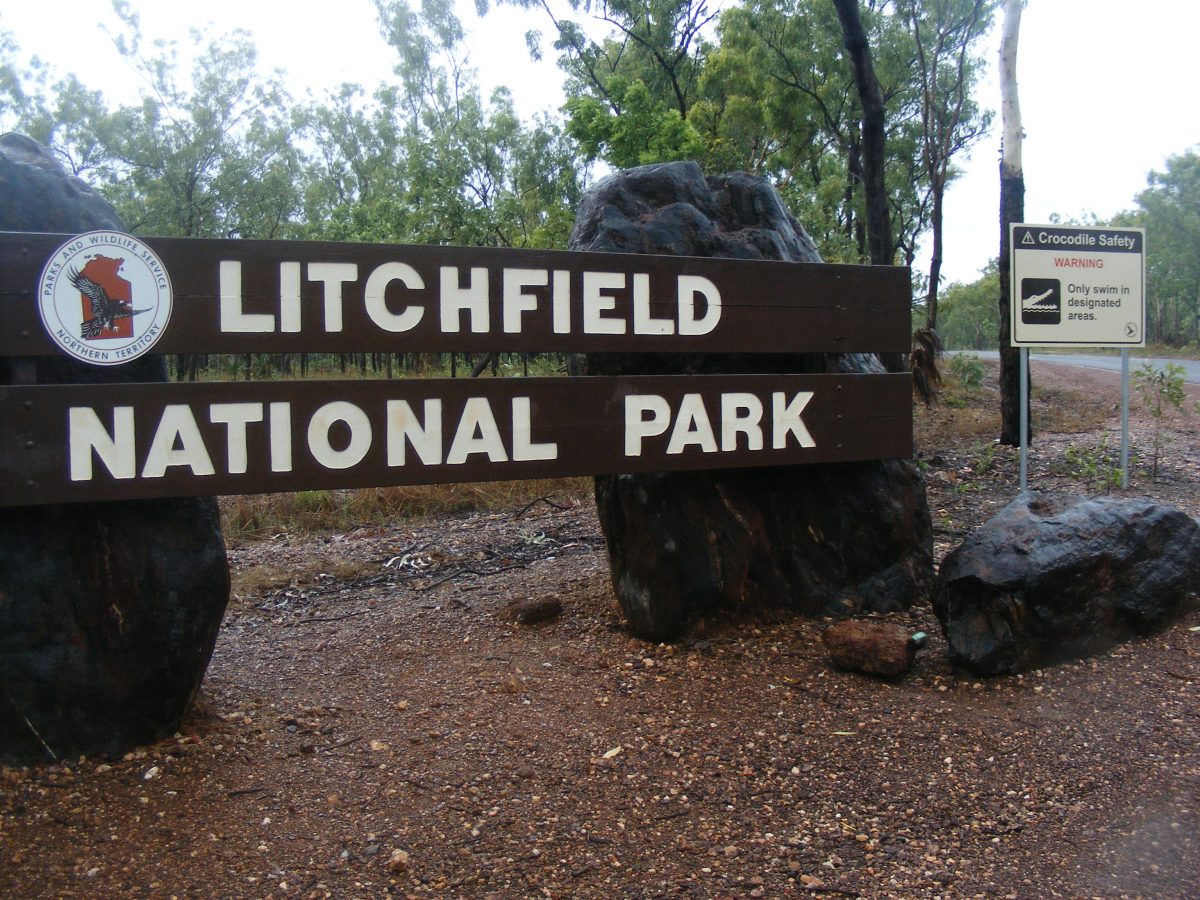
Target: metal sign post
1124	417
1024	419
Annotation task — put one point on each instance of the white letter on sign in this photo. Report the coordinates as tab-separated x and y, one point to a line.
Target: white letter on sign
281	437
473	298
516	301
477	417
318	435
637	426
523	446
289	297
333	276
233	320
786	419
375	296
733	423
692	427
403	427
596	303
177	426
643	322
689	287
236	416
87	433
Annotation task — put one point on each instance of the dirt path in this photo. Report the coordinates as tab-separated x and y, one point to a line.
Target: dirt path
375	726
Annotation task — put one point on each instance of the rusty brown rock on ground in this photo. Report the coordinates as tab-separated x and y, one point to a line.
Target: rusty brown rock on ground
871	646
533	610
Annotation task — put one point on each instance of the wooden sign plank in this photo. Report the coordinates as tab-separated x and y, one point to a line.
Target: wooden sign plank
240	296
118	442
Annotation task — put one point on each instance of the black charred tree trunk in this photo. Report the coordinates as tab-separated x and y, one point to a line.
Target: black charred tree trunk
879	229
1012	209
879	226
935	263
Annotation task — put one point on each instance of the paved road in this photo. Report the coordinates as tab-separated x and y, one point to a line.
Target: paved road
1112	363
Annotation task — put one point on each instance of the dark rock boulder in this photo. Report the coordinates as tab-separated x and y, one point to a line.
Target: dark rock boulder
1054	577
822	540
108	612
36	194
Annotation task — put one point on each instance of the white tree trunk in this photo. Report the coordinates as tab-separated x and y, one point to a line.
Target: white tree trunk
1010	104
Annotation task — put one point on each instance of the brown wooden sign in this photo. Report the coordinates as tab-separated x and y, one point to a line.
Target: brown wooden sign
106	297
110	442
288	296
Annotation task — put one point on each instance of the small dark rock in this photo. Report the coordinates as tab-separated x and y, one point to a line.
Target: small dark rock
1054	577
526	611
871	646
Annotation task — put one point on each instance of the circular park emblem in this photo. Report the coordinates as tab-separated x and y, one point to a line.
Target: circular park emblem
105	298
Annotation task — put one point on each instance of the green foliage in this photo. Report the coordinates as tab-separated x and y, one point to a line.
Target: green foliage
1161	391
763	86
429	159
780	100
945	35
771	92
646	131
206	154
1169	210
969	317
967	370
983	459
314	501
1096	467
222	151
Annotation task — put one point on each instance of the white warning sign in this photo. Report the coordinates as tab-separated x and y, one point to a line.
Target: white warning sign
1078	287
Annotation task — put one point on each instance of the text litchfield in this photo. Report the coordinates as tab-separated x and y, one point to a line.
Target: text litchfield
396	298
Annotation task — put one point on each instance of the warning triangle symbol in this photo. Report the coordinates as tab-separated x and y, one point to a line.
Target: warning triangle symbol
1028	239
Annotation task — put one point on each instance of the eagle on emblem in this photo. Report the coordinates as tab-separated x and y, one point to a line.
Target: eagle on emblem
105	310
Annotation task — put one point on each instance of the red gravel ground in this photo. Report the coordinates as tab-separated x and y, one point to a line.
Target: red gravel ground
374	724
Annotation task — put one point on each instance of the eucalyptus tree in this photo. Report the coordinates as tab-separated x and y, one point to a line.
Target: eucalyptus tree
968	317
1169	210
59	113
205	153
631	91
1012	209
794	82
657	42
430	159
870	100
947	67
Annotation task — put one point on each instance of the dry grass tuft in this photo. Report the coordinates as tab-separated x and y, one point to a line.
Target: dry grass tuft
969	409
308	512
1070	411
254	581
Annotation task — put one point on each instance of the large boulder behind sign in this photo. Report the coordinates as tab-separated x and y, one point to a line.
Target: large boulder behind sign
822	540
108	612
1056	577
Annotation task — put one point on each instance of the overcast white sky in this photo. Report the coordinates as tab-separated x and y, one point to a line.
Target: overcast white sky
1106	86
